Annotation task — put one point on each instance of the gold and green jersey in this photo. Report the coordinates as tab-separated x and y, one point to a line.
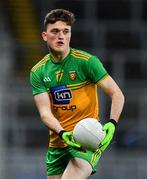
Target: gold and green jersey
72	88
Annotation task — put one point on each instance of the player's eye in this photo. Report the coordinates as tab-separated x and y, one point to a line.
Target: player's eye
66	31
54	31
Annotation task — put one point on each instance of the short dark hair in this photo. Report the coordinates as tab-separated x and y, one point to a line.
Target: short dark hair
59	15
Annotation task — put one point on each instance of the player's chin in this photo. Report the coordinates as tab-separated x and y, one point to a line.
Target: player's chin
60	49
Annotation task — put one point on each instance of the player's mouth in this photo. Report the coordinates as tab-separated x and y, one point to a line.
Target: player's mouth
60	43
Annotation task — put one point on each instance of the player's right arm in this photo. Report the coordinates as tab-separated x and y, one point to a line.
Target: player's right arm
42	102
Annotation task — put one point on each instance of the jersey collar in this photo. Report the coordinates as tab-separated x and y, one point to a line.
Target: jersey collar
63	60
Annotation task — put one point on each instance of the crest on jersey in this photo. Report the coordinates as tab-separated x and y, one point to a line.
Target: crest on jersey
72	75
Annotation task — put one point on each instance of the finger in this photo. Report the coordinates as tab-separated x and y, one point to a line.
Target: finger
74	144
107	138
105	127
77	146
103	147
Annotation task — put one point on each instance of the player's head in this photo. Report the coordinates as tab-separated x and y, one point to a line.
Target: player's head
57	29
59	15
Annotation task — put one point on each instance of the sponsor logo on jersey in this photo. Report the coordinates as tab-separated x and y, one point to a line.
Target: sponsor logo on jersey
65	108
72	75
47	79
61	95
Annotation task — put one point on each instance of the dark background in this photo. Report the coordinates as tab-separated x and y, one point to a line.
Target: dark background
115	31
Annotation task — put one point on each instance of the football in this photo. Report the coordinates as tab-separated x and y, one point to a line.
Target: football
88	133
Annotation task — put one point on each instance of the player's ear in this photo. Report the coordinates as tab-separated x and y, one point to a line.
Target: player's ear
44	36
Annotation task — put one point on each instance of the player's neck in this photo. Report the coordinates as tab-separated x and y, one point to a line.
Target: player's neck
57	57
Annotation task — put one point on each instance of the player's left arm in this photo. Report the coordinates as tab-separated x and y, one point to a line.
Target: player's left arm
110	88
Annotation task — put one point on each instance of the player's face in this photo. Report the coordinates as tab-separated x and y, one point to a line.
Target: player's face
58	37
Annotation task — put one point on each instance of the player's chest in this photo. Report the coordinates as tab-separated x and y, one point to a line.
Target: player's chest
57	75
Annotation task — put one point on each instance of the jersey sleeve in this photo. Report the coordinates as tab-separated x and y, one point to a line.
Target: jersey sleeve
96	70
37	83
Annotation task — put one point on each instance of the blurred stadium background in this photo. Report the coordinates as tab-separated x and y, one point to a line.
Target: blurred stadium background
115	31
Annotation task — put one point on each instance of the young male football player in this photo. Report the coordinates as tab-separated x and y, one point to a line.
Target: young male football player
65	86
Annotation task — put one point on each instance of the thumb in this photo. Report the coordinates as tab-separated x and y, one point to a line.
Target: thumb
105	127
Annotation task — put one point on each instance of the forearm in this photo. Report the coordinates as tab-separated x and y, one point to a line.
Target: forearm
116	105
51	122
43	104
109	87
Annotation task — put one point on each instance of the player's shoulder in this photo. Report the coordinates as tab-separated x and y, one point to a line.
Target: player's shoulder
41	63
80	54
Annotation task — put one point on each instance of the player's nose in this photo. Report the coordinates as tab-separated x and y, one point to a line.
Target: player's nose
61	35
